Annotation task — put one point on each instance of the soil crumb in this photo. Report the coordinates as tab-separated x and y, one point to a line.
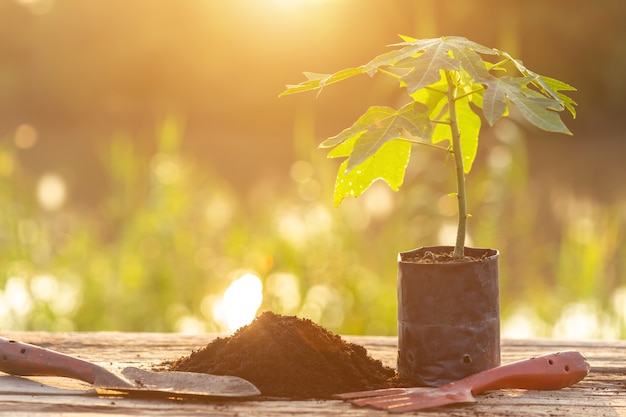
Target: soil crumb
429	257
286	356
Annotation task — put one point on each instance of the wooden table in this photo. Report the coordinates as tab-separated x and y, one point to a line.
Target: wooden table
601	393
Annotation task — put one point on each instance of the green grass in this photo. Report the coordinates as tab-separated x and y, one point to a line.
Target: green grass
170	237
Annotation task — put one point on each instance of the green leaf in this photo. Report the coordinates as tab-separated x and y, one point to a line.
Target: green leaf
537	108
378	145
494	103
425	69
344	149
469	128
391	57
379	125
466	52
568	103
550	87
317	81
425	58
388	164
556	86
434	97
441	132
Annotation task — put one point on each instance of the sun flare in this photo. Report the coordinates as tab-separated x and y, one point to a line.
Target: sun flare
241	301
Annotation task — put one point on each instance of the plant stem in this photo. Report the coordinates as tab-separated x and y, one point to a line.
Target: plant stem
459	248
389	73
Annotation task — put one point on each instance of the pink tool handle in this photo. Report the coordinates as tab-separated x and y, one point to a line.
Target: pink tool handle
23	359
548	372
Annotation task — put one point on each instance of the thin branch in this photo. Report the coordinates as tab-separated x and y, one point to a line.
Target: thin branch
497	64
431	145
436	90
389	73
470	93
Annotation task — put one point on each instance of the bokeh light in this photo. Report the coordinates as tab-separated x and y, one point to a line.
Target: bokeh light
240	302
152	213
51	191
25	136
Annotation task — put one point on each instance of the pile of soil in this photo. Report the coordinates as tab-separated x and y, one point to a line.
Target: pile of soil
285	356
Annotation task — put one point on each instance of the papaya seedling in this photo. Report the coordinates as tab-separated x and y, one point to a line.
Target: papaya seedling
453	84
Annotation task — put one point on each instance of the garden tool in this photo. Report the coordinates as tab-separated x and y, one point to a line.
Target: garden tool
548	372
24	359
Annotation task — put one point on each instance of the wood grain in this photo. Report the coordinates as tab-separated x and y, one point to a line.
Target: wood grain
602	393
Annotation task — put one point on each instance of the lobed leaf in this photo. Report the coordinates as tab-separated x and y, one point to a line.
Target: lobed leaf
412	48
450	52
534	106
469	128
317	81
425	57
434	97
387	164
379	125
556	86
426	68
548	86
494	103
378	145
465	51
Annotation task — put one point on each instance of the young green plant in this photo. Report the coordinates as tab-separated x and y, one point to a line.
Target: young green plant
450	86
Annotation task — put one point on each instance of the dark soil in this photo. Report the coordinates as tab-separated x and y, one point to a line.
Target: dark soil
429	257
285	356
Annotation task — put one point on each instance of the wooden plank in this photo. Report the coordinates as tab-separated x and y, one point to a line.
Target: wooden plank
600	394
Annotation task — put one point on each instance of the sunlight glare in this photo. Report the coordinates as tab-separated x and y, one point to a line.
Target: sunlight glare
17	296
241	301
584	320
51	191
293	4
190	325
38	7
523	323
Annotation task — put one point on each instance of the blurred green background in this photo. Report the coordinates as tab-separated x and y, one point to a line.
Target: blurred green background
149	172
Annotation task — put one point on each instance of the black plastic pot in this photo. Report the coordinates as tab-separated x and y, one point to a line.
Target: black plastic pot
448	316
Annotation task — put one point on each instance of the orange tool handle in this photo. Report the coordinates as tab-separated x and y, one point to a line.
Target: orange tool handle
24	359
548	372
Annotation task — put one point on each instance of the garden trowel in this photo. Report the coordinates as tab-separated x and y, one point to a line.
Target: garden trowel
548	372
24	359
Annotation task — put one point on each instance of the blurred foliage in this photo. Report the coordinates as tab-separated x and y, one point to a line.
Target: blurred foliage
80	71
170	238
106	225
